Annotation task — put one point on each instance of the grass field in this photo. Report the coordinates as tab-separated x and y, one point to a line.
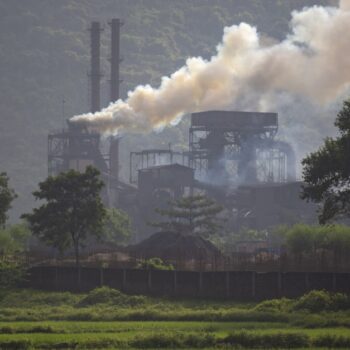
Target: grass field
108	319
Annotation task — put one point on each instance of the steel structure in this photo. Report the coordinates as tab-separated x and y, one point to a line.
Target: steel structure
75	148
229	147
154	157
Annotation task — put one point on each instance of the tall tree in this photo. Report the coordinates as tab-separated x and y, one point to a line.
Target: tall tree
326	172
191	215
72	212
116	228
7	195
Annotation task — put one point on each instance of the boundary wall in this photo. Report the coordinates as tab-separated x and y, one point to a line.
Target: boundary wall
234	285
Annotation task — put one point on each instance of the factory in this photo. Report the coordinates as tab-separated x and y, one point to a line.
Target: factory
234	157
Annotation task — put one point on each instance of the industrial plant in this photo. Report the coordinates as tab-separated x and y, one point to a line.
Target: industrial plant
234	157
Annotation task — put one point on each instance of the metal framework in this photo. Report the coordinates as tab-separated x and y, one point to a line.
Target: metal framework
75	149
236	147
153	157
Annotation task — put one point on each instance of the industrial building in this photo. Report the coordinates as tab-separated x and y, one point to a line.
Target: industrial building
234	157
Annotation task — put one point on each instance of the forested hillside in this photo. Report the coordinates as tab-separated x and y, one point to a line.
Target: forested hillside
44	58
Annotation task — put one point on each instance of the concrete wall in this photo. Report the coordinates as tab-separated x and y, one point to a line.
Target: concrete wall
234	285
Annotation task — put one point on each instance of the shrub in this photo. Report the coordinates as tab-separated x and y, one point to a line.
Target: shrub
319	300
179	341
15	345
106	295
27	297
277	305
11	273
267	341
154	264
332	341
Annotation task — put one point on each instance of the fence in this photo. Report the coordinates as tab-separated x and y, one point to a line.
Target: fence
234	285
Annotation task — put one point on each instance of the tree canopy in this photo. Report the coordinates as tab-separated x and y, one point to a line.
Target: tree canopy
73	209
326	172
116	227
7	195
191	215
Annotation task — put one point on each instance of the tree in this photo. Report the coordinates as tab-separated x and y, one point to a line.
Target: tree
7	195
116	228
72	212
13	240
326	172
191	215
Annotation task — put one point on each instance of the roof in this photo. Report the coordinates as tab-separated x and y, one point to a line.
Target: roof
173	246
167	166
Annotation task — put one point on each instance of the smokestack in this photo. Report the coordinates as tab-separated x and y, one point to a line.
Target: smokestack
115	24
115	81
95	72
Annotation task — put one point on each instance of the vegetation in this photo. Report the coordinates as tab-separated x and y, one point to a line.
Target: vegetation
13	240
106	318
192	215
154	264
327	174
116	228
7	195
72	212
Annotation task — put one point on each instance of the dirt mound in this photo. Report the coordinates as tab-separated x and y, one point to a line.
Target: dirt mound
174	246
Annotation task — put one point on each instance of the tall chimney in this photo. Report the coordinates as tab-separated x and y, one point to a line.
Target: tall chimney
95	71
115	81
115	24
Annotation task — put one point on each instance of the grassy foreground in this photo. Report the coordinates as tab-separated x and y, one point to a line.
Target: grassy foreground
108	319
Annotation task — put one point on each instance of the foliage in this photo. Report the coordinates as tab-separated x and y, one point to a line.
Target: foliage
13	239
154	264
316	301
7	195
326	172
268	341
106	295
116	228
72	212
11	273
276	305
196	215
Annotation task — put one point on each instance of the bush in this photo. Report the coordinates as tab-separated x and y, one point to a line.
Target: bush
332	341
27	297
267	341
179	341
319	300
106	295
15	345
11	273
154	264
277	305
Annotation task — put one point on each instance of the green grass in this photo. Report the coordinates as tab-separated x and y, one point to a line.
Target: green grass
108	319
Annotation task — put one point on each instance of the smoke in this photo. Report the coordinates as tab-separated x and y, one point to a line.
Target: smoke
311	65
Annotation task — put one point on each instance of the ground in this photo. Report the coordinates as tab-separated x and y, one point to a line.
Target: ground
108	319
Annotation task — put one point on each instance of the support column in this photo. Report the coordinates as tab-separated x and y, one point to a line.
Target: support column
227	286
334	282
101	276
149	280
175	282
200	283
124	280
253	284
279	284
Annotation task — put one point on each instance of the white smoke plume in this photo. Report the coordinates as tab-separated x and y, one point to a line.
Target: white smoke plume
312	63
